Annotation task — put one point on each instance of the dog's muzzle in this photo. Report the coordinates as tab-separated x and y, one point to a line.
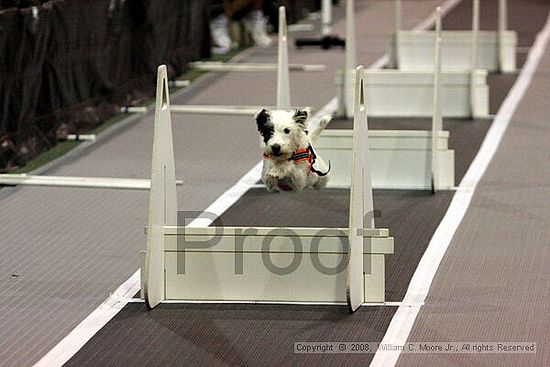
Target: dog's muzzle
276	150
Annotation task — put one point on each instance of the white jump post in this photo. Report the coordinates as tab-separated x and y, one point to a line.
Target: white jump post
283	80
326	17
162	197
398	16
361	202
350	59
502	28
473	65
437	123
398	28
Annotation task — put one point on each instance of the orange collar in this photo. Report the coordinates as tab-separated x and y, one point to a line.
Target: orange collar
298	156
306	154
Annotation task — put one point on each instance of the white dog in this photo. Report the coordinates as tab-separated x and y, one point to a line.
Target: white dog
290	162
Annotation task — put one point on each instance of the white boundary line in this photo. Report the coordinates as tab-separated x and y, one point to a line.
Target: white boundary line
84	331
80	335
403	320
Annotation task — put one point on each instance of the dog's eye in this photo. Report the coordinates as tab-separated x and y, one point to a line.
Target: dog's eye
287	131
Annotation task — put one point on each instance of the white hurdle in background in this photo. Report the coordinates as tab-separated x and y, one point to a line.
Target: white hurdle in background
400	159
408	93
23	179
496	50
251	67
81	137
357	274
73	181
283	86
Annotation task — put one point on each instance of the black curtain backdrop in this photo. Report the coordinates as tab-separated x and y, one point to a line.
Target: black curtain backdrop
67	65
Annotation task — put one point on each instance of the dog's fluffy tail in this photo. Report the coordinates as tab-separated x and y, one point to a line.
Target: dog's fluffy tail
320	127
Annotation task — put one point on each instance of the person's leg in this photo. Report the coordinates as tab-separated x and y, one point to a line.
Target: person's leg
256	23
219	28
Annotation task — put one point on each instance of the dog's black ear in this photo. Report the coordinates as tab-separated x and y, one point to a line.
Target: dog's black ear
300	117
262	117
265	127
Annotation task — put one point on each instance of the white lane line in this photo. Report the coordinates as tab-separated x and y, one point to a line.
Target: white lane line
80	335
403	320
230	197
76	339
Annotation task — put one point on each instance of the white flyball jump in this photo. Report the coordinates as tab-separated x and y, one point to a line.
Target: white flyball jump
255	265
494	50
400	159
397	160
409	93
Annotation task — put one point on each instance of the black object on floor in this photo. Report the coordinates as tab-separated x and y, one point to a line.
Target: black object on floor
325	42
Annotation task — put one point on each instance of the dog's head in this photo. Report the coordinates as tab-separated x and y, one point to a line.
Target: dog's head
283	132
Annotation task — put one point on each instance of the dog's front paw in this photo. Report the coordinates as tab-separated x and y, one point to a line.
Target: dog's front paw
271	183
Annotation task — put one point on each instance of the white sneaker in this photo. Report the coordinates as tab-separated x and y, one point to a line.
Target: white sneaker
221	42
256	25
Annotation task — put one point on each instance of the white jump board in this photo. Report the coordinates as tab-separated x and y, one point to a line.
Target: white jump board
212	272
414	46
409	93
400	159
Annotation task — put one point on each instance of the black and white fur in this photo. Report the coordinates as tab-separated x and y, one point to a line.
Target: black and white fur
284	132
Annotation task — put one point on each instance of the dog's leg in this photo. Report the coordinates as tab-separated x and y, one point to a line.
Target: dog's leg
271	183
299	179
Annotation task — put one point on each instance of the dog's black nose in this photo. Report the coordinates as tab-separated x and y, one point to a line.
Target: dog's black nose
276	149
